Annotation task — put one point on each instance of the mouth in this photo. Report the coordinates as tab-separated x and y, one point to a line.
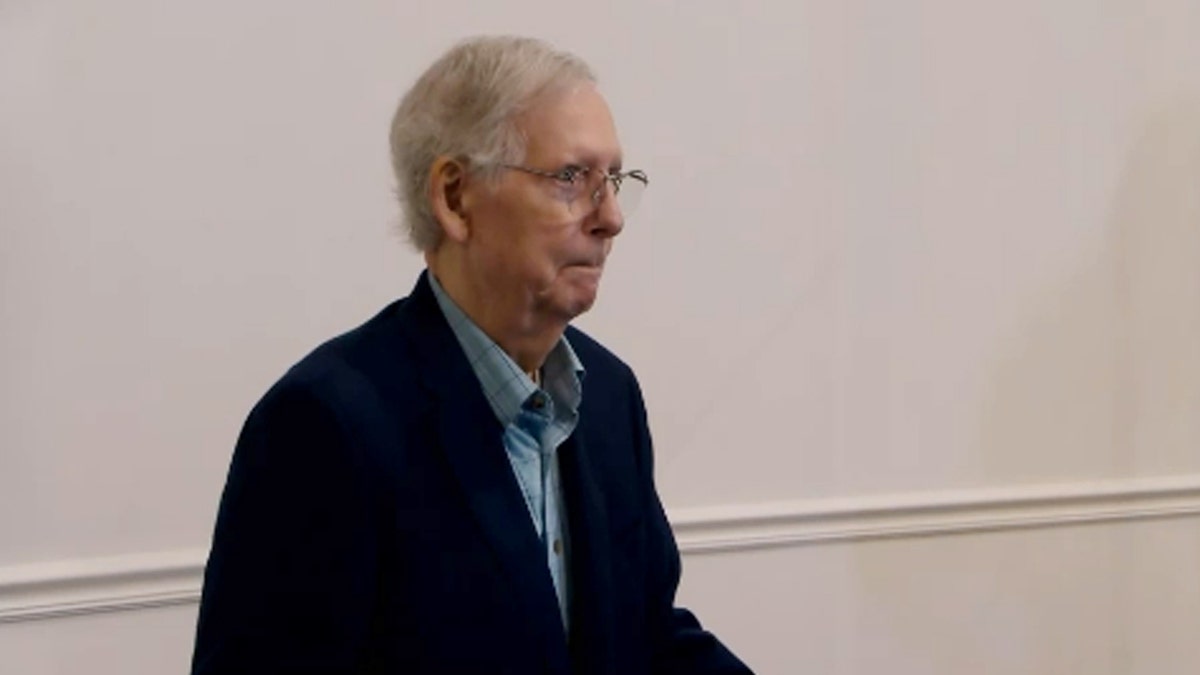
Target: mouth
590	263
587	271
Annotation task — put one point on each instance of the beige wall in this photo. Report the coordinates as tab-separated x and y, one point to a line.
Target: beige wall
914	297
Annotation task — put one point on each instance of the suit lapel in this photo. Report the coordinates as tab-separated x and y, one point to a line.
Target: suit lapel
591	578
471	438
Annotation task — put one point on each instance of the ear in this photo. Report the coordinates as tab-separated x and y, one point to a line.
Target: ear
447	188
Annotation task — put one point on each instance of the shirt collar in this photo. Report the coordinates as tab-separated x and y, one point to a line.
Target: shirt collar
505	385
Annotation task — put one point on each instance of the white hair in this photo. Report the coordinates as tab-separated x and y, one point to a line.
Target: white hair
465	106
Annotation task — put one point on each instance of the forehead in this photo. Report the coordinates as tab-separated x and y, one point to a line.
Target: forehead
571	125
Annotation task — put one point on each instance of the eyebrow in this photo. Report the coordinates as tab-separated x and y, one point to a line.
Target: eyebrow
587	159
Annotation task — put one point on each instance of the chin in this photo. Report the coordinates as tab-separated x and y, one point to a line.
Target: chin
571	294
574	309
572	305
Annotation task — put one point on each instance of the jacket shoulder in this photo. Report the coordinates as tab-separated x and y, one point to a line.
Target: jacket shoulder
369	363
596	357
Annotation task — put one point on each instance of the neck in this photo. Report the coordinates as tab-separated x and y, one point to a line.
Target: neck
522	333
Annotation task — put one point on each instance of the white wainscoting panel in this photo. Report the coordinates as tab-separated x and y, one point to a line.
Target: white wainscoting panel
73	587
95	585
703	530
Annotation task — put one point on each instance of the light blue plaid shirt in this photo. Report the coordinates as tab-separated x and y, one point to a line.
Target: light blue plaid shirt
536	421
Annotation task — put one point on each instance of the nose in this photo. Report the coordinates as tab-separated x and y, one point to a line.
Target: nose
607	221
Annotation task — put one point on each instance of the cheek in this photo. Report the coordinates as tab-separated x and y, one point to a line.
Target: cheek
523	256
547	243
563	247
530	238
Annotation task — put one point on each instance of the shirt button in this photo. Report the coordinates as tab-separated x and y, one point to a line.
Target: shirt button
538	402
558	547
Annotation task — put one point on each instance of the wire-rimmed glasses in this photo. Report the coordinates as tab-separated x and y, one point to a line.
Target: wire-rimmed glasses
584	187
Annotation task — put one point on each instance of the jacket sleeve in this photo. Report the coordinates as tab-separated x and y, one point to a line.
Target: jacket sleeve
289	583
679	644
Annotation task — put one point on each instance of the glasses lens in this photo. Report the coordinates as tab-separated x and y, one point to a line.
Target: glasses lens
604	187
630	194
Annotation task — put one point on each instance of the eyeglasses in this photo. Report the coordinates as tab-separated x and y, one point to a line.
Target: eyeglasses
583	187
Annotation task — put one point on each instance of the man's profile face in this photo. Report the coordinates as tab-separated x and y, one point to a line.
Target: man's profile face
531	245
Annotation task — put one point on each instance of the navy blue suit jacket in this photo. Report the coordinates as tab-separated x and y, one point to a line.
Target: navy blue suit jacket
371	523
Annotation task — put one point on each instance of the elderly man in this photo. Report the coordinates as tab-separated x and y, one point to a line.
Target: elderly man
464	483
